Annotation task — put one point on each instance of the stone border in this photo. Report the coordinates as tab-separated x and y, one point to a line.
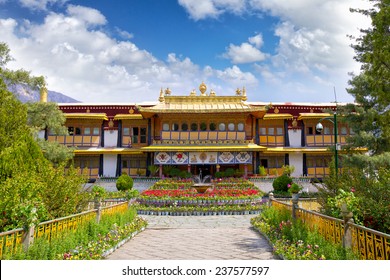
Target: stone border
196	213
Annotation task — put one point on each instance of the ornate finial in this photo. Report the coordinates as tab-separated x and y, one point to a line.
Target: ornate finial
212	92
193	92
244	98
161	98
167	91
238	91
202	89
43	94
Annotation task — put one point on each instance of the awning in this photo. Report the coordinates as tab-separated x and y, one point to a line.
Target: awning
128	117
115	151
89	116
203	148
277	116
308	116
289	150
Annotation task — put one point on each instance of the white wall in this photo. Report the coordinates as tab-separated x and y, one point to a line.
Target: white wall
41	134
296	160
295	136
110	138
109	165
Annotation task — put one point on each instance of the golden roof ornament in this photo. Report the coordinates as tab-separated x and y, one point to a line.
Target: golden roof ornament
161	98
238	91
244	98
168	91
202	89
193	92
212	92
43	94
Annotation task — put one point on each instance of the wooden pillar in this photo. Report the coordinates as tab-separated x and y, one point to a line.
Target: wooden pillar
160	174
245	171
189	168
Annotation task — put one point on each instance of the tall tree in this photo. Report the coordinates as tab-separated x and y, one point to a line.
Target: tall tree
370	116
32	188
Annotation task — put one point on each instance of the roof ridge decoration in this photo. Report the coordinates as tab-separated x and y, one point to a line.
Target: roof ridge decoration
202	103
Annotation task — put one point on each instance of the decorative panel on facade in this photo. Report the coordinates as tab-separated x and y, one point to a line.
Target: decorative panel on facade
178	158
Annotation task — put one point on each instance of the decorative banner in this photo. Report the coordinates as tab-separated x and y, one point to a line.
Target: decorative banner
203	157
178	158
244	157
162	158
226	157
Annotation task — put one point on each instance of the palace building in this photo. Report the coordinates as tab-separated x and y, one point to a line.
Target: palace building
200	133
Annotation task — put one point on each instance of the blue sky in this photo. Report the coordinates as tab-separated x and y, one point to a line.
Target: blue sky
126	51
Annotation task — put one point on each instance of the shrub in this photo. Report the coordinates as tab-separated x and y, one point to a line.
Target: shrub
288	169
281	183
98	192
219	174
262	171
184	174
124	183
174	172
229	172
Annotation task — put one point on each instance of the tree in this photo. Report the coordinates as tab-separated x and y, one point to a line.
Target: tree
368	175
32	188
48	117
370	116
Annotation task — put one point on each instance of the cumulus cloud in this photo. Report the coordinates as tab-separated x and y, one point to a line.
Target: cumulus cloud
246	52
312	39
40	4
202	9
80	60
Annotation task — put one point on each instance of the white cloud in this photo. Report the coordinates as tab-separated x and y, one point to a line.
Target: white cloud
88	15
80	60
40	4
246	52
202	9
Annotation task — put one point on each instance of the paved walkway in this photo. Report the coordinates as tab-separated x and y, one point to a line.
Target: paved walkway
196	238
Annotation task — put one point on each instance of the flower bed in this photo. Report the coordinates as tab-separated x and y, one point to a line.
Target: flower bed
226	196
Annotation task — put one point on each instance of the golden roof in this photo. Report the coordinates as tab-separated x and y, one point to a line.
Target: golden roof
101	150
204	148
203	103
128	117
277	116
307	116
90	116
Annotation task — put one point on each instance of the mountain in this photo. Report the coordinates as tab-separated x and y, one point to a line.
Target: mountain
25	94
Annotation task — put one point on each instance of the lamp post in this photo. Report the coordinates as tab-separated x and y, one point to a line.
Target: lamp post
319	128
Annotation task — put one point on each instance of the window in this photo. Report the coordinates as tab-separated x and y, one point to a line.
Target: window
87	130
71	130
240	127
126	131
263	131
95	131
184	127
310	130
143	134
222	127
194	127
326	130
213	126
135	135
203	126
231	126
175	127
343	130
78	131
271	131
279	131
166	126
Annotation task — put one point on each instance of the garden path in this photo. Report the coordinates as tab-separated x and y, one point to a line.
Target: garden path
196	238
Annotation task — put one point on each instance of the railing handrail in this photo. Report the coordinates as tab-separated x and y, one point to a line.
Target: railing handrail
67	217
321	215
8	232
385	235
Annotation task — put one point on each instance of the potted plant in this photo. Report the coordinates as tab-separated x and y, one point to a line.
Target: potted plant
294	190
